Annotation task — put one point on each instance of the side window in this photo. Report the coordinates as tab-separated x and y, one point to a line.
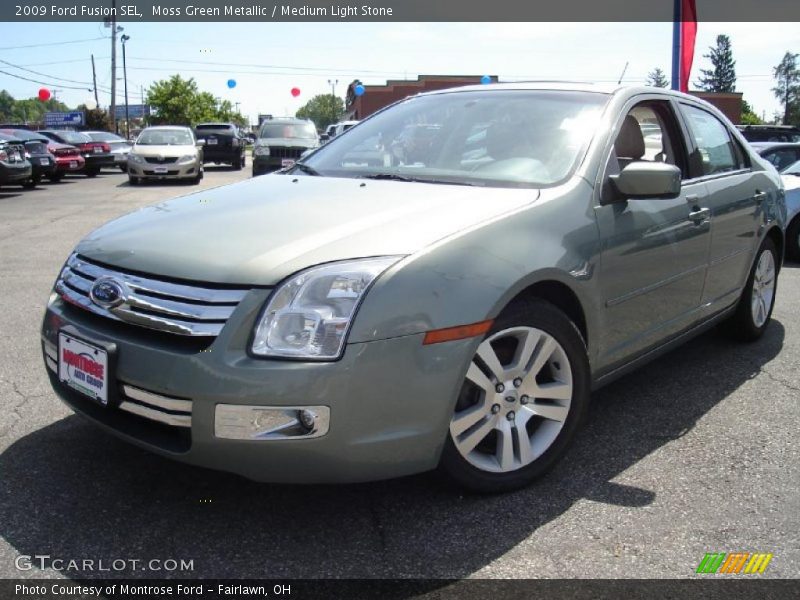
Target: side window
782	158
715	151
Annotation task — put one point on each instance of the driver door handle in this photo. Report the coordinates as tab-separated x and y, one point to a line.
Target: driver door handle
700	216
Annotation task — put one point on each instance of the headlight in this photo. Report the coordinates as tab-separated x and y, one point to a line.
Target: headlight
261	151
309	315
135	158
187	158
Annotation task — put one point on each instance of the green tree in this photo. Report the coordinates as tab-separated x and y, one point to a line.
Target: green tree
323	110
722	76
96	118
31	110
657	78
6	105
787	88
749	116
178	101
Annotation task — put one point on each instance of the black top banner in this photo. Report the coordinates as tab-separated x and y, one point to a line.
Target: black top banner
394	10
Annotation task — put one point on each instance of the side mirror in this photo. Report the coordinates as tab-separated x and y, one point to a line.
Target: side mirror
201	142
648	180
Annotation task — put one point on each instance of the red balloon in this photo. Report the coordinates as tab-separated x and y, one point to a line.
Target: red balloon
44	94
295	92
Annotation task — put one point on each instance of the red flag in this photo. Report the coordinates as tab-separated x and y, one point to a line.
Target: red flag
688	34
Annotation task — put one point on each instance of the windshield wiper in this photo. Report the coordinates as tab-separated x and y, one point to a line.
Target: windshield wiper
306	169
398	177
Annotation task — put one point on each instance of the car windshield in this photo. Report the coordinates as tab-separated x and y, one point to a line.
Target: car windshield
300	131
103	136
498	137
165	137
73	137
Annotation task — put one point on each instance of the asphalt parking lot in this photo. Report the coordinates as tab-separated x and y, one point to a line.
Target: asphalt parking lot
694	453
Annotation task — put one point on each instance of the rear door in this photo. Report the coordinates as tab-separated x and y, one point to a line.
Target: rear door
654	251
718	161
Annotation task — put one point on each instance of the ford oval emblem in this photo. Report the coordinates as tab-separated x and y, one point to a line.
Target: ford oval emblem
107	292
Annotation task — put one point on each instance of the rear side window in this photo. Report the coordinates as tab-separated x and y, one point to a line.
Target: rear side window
715	152
782	157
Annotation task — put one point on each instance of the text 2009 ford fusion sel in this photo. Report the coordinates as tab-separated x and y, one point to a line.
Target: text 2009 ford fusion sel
441	286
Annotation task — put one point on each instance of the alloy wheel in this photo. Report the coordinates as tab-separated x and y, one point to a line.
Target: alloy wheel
763	288
515	400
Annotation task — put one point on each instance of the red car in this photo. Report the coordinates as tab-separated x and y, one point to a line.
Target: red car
68	158
97	155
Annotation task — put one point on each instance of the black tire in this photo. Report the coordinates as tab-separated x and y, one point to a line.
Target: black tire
31	183
133	180
198	178
56	177
742	324
793	240
544	316
123	168
91	172
238	164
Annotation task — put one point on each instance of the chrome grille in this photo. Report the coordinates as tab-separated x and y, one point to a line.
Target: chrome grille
149	302
286	152
164	409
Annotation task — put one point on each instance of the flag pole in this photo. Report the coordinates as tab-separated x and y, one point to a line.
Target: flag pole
676	45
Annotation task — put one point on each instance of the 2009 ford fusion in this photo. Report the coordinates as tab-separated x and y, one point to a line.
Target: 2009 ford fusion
441	286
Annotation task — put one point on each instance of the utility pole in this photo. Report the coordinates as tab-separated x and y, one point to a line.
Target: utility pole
124	39
114	64
333	83
94	83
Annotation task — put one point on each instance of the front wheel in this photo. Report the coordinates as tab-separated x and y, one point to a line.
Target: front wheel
758	297
524	397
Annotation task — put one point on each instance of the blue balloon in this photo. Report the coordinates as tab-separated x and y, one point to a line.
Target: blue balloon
231	83
359	90
486	79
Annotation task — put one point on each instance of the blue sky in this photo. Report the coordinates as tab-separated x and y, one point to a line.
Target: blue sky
280	56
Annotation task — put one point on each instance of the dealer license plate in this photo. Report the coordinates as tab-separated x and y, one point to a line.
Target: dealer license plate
160	169
73	164
83	367
286	162
44	161
97	149
211	141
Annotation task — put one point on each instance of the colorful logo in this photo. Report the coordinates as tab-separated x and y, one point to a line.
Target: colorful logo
734	563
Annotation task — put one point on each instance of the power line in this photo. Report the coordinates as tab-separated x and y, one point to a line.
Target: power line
47	83
52	44
5	62
62	62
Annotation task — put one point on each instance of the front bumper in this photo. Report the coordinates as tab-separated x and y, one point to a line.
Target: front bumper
165	171
266	164
390	400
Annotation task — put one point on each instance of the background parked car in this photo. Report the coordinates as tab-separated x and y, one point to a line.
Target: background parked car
165	153
343	126
119	146
43	163
770	133
224	143
96	154
68	158
791	181
281	142
14	168
780	154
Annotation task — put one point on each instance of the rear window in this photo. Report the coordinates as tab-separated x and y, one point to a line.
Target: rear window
215	127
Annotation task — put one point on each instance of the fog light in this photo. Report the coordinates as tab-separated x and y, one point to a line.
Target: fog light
242	422
307	419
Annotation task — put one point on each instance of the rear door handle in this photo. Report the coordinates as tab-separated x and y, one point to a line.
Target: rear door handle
700	216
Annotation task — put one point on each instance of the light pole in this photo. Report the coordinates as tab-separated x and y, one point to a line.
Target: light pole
124	39
332	83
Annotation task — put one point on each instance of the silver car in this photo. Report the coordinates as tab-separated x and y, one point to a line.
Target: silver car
396	303
120	147
166	152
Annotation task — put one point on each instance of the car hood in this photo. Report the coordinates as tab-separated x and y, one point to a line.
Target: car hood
261	230
174	150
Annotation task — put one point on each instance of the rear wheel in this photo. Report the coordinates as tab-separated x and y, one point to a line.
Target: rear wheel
91	172
238	164
32	182
56	177
793	240
525	394
758	297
